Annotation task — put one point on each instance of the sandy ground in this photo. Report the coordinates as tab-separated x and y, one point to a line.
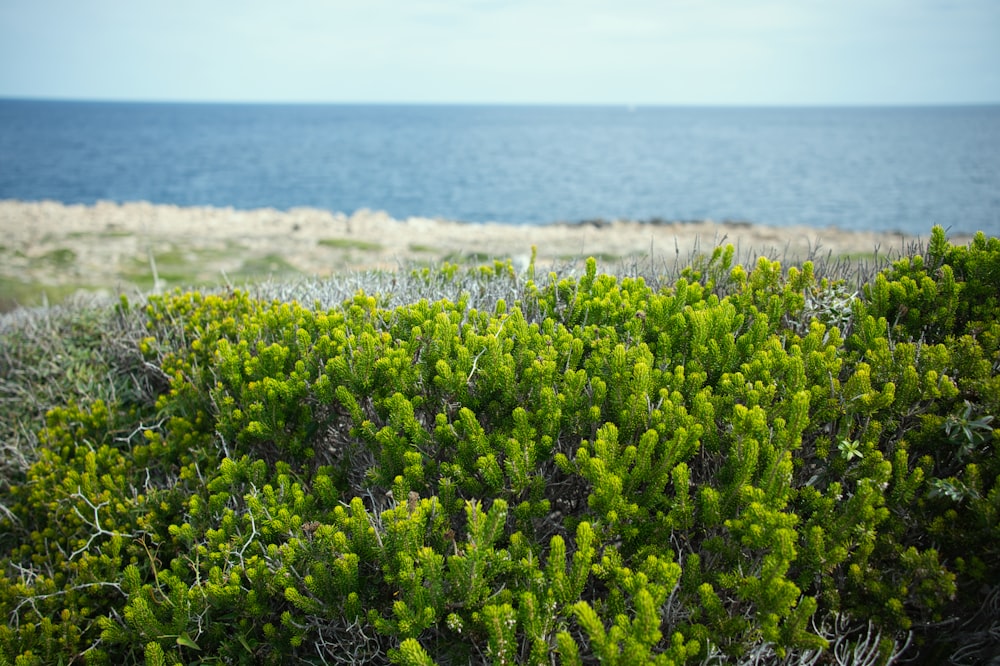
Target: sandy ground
109	246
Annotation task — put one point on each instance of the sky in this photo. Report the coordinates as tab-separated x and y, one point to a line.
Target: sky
632	52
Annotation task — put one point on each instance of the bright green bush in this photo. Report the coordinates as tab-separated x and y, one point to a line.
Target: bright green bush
740	465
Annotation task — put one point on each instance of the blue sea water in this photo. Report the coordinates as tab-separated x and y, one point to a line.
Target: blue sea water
904	168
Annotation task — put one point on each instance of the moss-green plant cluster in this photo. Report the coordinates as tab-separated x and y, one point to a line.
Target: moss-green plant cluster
746	465
349	244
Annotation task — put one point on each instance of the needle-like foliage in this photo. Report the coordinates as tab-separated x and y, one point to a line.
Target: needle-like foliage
738	463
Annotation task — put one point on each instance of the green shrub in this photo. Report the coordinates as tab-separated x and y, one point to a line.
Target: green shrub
739	465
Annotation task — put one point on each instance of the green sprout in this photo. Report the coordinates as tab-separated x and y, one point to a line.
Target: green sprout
850	449
951	488
967	432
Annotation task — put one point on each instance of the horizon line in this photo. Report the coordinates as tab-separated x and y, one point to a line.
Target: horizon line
537	104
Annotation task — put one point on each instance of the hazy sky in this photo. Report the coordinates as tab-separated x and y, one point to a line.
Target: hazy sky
505	51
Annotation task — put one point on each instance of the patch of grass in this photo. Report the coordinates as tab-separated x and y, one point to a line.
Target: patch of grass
268	265
144	281
193	267
61	257
467	257
103	235
176	267
606	257
418	247
140	273
173	257
349	244
15	293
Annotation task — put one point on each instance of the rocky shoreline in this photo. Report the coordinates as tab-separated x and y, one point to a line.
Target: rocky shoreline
120	247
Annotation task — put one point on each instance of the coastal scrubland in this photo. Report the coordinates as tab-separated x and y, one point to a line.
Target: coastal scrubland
734	460
51	251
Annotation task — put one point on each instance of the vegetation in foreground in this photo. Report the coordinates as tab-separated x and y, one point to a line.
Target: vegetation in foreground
739	465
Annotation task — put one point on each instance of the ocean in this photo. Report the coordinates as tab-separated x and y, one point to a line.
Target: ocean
888	169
